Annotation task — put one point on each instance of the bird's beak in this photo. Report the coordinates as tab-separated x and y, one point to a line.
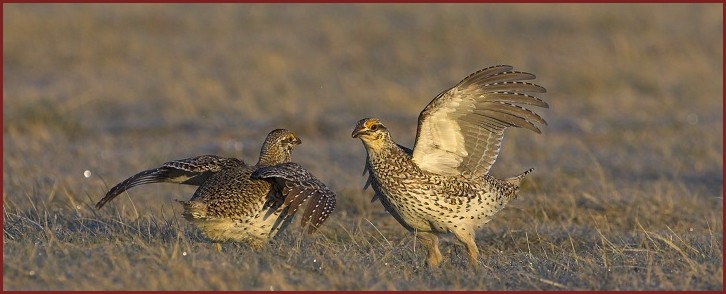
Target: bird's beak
357	132
297	141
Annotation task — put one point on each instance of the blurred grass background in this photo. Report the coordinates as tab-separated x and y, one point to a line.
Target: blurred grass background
627	191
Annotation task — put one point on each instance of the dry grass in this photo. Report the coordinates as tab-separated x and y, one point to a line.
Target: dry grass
628	185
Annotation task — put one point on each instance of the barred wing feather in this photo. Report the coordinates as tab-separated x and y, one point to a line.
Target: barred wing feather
190	171
461	129
300	186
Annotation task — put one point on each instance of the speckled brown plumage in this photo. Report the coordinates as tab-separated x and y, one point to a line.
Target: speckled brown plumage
230	204
299	186
442	185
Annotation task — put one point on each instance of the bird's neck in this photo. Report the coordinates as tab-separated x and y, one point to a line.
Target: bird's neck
380	147
273	156
386	151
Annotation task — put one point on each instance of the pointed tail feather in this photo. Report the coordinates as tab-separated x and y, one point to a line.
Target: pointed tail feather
518	179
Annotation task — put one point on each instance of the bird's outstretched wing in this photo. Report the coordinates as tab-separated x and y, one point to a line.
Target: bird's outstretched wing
189	171
299	186
461	129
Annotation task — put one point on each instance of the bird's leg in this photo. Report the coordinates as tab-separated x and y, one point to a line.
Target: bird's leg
218	246
431	242
466	236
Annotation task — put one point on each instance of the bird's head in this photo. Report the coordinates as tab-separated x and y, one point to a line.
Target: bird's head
283	139
372	132
278	146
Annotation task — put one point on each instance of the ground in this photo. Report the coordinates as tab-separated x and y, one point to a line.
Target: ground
627	191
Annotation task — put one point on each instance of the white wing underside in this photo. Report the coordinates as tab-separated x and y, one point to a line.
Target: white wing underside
461	130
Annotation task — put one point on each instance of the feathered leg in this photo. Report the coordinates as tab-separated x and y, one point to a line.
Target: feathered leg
431	242
466	236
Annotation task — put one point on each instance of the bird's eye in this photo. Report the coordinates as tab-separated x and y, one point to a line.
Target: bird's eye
374	127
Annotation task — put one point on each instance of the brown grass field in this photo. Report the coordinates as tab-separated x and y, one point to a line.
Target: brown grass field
627	191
